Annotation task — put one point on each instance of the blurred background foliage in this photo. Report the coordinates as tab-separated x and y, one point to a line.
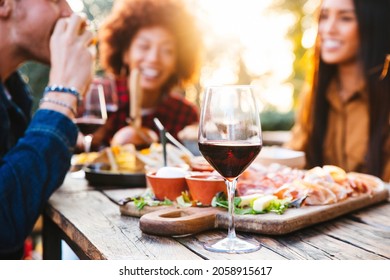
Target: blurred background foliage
263	43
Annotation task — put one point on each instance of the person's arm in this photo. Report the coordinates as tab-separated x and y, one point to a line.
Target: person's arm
37	164
30	172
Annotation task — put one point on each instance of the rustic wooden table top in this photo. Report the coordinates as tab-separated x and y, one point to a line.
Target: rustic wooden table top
89	220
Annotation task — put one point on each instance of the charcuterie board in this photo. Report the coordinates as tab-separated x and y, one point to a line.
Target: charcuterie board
172	221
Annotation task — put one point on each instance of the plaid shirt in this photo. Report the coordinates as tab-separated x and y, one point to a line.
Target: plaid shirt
174	111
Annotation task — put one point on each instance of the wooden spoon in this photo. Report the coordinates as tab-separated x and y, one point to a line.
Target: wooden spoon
134	133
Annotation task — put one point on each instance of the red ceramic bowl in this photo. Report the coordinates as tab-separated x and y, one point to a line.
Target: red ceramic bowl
204	187
163	187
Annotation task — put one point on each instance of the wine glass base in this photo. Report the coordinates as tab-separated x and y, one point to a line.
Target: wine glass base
232	246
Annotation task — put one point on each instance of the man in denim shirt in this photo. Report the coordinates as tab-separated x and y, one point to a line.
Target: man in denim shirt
35	152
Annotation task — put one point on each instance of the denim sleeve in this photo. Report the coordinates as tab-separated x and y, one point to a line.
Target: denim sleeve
30	172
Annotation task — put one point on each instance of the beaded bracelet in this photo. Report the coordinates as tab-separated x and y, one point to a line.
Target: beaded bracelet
59	88
60	103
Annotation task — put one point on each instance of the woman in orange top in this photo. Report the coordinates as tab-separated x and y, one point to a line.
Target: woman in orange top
344	119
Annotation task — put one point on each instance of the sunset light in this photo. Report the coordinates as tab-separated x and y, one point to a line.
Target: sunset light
246	42
76	5
247	34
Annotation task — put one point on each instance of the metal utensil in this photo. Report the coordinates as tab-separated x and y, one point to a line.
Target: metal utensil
163	138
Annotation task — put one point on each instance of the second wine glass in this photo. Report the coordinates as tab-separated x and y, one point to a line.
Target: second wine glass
92	113
230	139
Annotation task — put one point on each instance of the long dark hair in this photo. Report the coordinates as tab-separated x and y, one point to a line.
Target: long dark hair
374	32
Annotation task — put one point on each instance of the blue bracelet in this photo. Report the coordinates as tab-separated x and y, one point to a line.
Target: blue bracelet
59	88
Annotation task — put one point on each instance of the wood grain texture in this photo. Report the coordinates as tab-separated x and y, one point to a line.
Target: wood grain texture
94	223
367	237
195	243
313	243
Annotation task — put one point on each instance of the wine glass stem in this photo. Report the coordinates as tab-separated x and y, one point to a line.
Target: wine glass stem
231	189
87	143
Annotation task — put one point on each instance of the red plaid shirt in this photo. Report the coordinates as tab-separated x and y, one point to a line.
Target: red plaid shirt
174	111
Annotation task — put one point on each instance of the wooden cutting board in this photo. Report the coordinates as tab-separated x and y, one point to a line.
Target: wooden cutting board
171	221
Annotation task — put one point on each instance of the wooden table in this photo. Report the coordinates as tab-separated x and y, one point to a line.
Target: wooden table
89	220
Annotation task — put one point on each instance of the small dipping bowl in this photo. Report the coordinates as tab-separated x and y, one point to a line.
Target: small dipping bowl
203	187
169	183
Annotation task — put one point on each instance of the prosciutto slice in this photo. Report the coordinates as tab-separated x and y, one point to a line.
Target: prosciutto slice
316	194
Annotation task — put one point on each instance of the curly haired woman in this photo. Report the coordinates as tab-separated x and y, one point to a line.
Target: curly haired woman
160	39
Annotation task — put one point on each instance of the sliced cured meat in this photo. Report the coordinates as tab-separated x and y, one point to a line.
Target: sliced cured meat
317	186
364	183
315	193
260	179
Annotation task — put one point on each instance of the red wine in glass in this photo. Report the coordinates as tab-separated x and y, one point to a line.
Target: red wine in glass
229	159
229	138
92	113
88	125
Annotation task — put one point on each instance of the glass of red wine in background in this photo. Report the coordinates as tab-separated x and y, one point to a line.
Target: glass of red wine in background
230	138
92	113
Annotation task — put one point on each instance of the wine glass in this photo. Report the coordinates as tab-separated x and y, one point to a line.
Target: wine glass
92	113
230	138
99	102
